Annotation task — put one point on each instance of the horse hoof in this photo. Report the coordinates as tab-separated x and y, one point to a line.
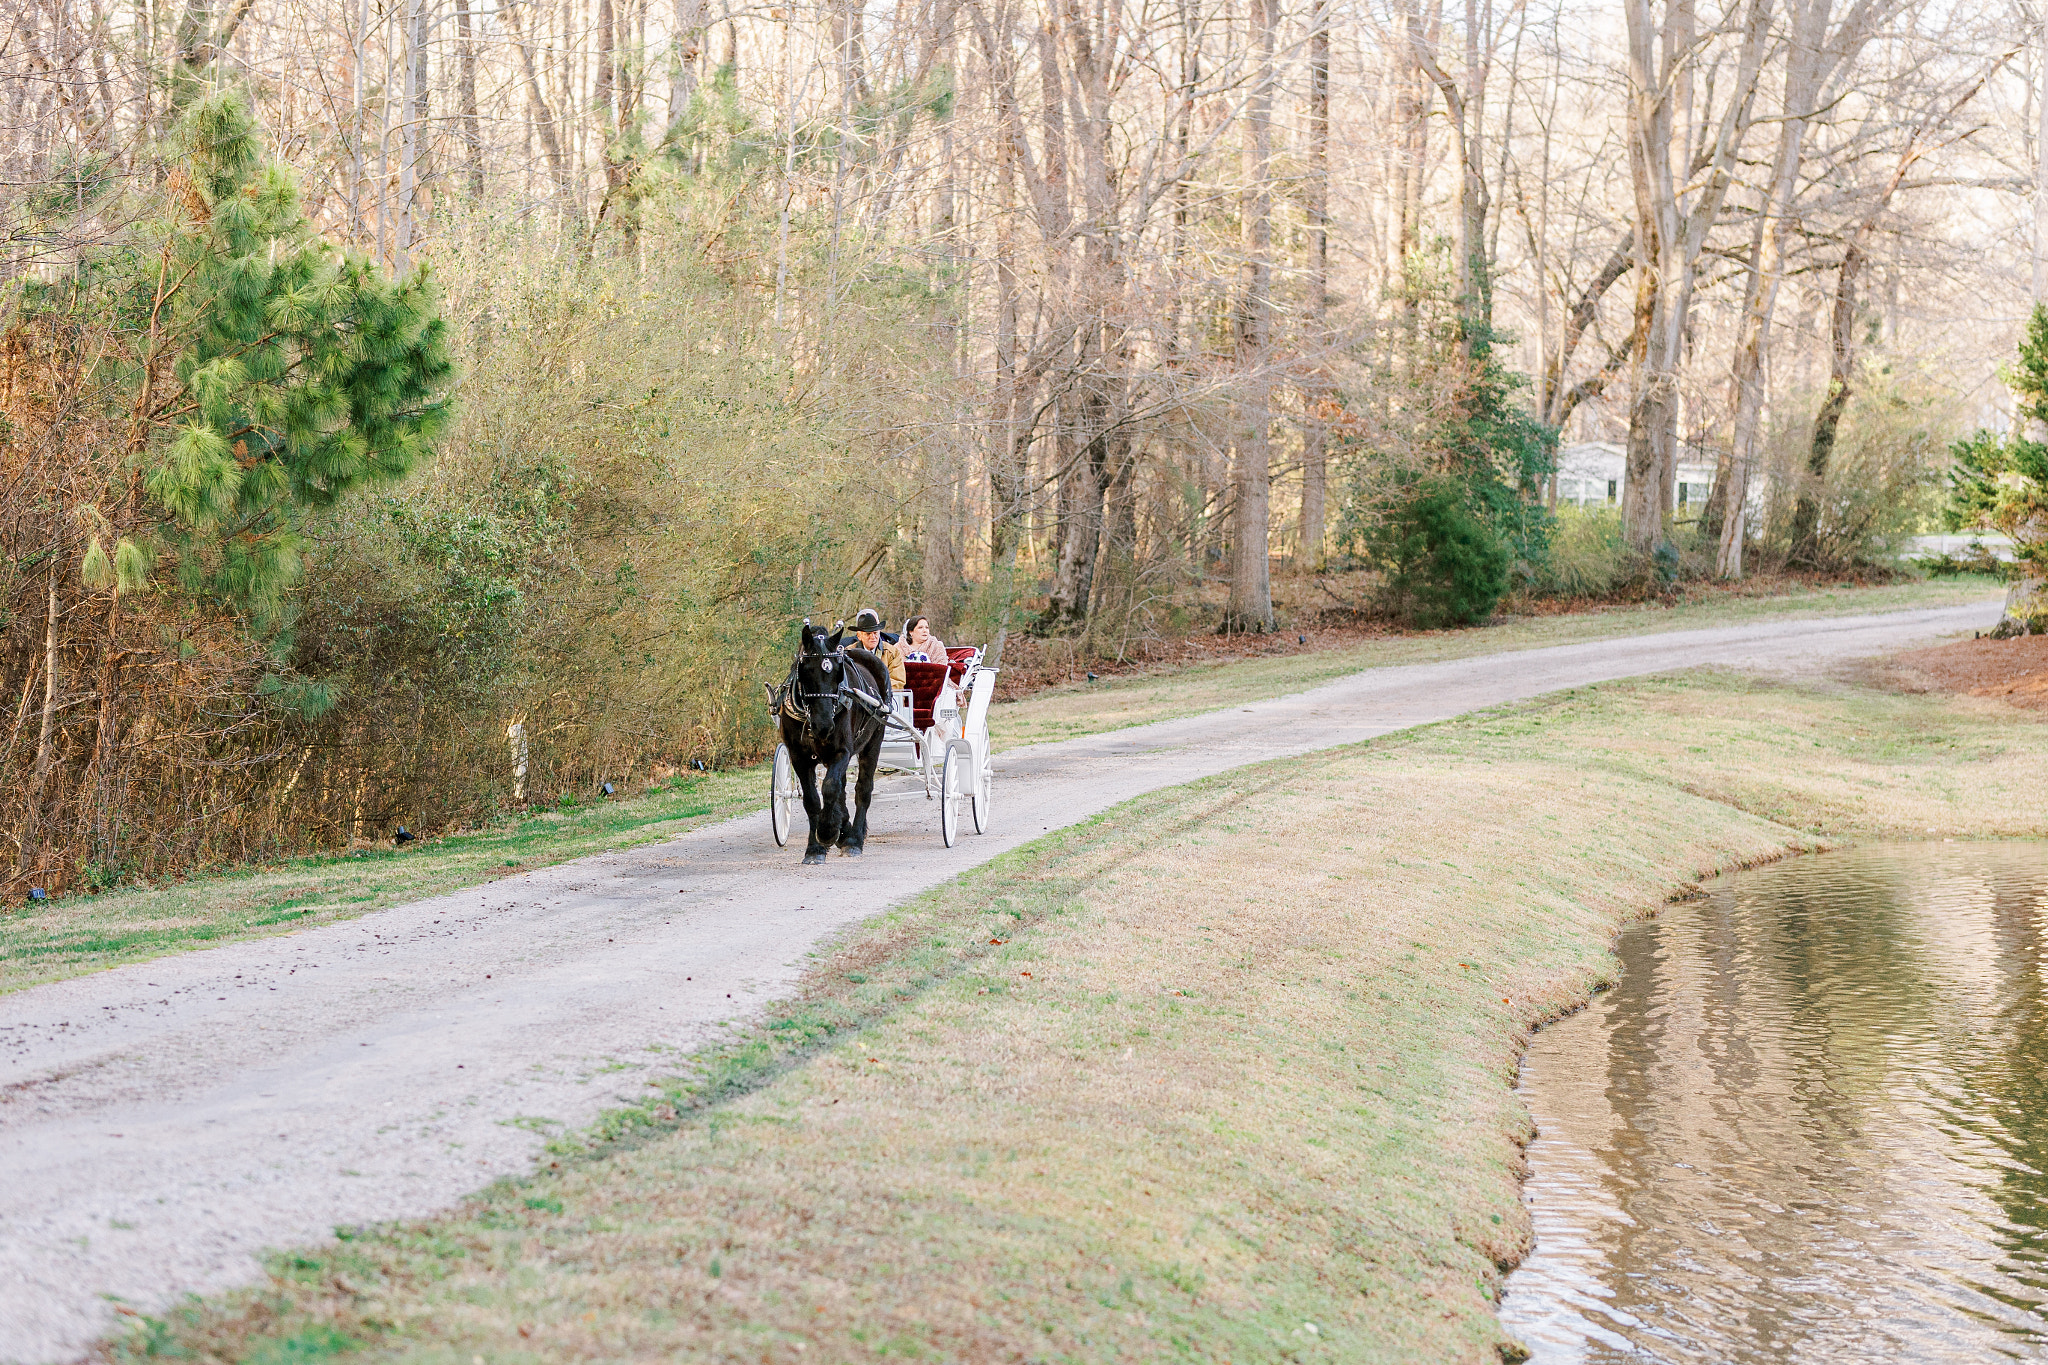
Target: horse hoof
853	851
813	858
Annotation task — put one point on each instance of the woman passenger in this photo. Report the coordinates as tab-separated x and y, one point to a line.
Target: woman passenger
920	644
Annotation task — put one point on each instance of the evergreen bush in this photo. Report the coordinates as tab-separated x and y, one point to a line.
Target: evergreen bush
2000	483
1444	563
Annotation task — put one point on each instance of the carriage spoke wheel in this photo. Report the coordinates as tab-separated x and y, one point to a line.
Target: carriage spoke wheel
782	796
956	780
984	788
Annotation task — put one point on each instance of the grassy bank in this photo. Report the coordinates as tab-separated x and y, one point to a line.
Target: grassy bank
58	939
1221	1075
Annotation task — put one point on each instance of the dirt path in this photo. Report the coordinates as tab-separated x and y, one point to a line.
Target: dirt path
162	1124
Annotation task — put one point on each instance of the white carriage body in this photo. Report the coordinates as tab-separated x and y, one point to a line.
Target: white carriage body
959	712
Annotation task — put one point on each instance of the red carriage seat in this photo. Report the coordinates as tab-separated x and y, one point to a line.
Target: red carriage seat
958	658
925	682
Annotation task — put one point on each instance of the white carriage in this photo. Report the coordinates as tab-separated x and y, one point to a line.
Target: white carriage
937	729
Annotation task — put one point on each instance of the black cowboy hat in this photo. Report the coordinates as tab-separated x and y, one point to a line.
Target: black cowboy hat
866	619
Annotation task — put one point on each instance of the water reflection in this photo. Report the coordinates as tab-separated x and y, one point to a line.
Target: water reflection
1810	1123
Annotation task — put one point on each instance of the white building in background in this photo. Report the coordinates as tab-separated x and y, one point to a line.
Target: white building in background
1592	474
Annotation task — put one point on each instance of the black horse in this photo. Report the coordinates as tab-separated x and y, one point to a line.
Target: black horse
832	707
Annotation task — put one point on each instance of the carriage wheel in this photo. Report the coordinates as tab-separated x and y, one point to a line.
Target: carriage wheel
955	780
984	788
782	796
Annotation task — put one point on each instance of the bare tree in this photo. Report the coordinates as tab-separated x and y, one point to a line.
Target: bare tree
1682	152
1250	608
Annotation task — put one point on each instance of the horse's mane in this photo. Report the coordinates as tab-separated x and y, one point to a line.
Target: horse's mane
876	669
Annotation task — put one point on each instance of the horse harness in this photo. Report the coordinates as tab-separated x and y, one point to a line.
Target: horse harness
788	701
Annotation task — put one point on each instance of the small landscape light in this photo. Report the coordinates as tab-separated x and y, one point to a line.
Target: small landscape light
36	893
609	790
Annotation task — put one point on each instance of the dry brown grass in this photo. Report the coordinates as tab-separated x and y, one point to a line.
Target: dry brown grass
2013	670
1235	1088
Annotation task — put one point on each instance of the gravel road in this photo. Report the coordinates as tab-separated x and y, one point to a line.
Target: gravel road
162	1124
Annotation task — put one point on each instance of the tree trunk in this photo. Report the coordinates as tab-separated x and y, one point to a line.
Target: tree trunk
1010	430
1412	123
2040	280
543	114
465	95
1475	289
1080	522
409	132
1558	400
1677	201
940	571
30	847
688	41
1725	519
1652	405
1827	423
1250	609
1316	431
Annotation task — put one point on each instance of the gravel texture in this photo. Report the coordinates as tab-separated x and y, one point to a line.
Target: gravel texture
161	1125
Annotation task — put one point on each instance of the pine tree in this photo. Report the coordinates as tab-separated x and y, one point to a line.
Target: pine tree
2000	483
206	374
269	373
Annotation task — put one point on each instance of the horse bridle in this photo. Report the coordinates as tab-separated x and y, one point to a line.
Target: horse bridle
797	704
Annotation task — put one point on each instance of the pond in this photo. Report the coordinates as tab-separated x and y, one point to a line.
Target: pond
1809	1123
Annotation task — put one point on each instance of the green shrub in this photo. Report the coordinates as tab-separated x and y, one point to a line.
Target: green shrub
2000	483
1882	484
1444	564
1589	556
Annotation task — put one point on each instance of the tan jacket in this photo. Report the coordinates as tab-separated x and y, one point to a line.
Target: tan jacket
892	655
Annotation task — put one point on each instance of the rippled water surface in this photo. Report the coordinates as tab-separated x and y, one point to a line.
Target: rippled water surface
1809	1124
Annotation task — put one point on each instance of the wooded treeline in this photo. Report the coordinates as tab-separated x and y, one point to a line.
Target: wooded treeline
1026	314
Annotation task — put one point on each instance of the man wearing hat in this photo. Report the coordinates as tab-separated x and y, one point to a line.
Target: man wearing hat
867	628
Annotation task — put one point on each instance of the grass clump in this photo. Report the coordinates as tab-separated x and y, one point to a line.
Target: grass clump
1589	557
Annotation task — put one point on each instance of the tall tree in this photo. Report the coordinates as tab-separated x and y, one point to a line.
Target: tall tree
1812	55
1681	158
1315	437
1250	608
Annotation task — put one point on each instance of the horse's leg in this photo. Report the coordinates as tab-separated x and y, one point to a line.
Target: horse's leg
814	808
864	792
835	799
